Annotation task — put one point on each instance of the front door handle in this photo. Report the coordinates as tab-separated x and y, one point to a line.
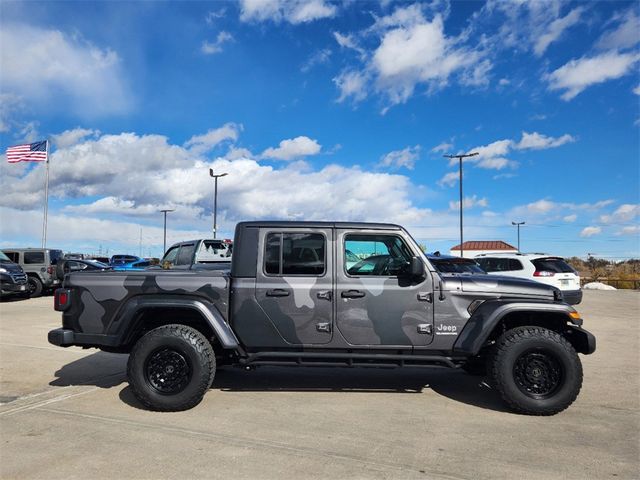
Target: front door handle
352	294
425	328
277	292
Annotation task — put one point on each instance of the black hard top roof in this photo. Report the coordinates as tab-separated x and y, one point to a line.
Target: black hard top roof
293	224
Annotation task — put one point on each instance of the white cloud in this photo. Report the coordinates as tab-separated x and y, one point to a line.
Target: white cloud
213	16
555	29
318	58
590	231
494	149
293	148
630	230
412	52
570	218
292	11
556	210
71	137
469	202
352	84
203	143
9	105
60	71
625	34
449	179
496	163
637	90
577	75
442	148
624	213
537	141
503	82
210	48
406	158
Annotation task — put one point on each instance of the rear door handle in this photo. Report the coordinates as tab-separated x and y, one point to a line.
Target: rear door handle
277	292
352	294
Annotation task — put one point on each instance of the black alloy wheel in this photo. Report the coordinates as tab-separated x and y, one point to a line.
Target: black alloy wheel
168	371
538	373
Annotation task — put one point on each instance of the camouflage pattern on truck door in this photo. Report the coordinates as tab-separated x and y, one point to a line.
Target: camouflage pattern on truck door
294	283
376	303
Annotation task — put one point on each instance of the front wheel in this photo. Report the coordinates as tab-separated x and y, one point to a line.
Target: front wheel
536	370
34	287
171	368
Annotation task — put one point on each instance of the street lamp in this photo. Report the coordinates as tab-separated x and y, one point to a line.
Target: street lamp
517	224
165	211
460	157
215	199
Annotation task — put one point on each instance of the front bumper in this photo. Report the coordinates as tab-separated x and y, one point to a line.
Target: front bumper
7	287
572	297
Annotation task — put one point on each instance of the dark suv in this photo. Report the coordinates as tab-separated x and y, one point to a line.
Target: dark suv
12	278
40	266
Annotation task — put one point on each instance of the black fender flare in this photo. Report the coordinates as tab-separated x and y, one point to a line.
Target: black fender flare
125	325
488	316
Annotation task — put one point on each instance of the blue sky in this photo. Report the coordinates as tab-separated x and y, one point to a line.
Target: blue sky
323	110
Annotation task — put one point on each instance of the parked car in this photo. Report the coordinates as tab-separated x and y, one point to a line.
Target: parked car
40	266
290	300
74	256
541	267
13	280
122	259
137	265
75	265
454	265
198	254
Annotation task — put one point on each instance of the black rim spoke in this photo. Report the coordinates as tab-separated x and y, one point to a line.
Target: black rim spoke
538	374
167	371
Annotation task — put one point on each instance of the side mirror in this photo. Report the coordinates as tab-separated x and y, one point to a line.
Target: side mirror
416	267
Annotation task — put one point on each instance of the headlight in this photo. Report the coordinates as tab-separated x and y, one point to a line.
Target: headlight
3	270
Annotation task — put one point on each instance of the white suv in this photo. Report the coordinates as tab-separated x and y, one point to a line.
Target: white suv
541	267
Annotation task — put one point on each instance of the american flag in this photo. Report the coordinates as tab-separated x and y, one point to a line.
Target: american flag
29	152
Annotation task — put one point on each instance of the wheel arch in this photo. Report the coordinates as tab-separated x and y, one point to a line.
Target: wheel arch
494	318
142	314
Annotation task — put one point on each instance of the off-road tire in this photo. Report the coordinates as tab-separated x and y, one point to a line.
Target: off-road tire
535	370
35	287
162	352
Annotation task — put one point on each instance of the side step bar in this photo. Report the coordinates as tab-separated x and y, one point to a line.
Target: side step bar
322	359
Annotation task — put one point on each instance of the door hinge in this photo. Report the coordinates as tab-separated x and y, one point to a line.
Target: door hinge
425	328
425	297
323	327
325	295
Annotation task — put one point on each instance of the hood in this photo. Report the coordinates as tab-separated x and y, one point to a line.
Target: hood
10	266
501	285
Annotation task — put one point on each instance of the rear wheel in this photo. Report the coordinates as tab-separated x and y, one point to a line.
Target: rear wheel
171	368
536	371
34	286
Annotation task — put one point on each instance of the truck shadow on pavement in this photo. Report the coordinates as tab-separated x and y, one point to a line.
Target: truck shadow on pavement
107	370
102	369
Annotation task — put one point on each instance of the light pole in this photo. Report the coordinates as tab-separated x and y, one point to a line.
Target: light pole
165	211
215	199
517	224
460	157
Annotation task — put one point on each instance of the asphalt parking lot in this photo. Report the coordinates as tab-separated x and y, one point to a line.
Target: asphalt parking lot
69	413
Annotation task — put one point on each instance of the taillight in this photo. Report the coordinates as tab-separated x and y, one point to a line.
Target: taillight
542	273
50	270
62	299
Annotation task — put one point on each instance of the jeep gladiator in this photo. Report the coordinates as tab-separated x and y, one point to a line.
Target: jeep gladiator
326	294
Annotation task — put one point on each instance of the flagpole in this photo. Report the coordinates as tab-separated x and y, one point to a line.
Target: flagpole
46	200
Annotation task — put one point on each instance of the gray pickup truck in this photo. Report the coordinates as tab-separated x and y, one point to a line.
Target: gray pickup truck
326	294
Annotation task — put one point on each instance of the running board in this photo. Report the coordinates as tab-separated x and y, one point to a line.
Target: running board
321	359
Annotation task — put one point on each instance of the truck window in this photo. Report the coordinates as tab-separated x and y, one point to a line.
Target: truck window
33	257
295	254
13	256
185	254
379	255
171	255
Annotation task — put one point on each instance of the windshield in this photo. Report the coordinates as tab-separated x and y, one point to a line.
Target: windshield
3	257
